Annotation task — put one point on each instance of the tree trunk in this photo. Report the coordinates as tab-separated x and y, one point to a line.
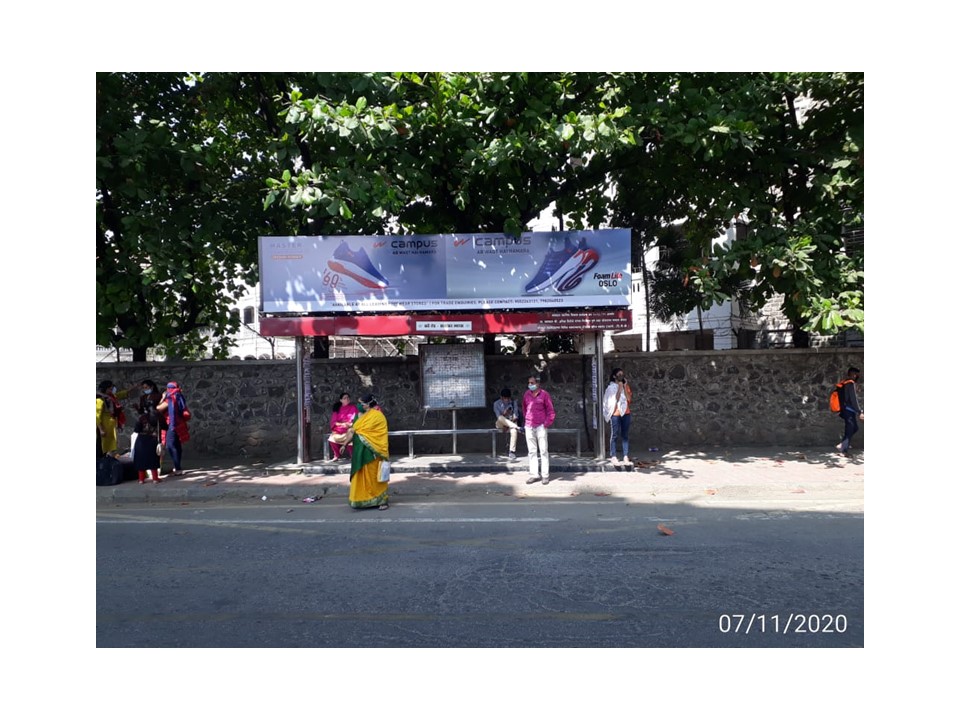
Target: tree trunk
646	292
139	354
321	347
801	338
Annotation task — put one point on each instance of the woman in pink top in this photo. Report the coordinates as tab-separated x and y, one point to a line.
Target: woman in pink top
341	420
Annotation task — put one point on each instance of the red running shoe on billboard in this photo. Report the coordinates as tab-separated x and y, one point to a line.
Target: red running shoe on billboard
356	264
564	268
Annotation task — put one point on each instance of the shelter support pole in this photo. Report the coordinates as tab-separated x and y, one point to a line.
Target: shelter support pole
594	344
601	386
303	401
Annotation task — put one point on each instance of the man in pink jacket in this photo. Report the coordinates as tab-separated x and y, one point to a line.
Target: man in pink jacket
538	415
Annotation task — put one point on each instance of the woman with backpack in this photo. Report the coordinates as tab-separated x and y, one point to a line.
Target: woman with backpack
174	429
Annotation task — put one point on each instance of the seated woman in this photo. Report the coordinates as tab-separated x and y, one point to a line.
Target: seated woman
369	434
342	417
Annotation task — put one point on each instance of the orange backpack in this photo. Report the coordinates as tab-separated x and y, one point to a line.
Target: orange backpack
835	400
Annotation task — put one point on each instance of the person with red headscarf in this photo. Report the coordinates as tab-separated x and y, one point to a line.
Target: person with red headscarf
174	428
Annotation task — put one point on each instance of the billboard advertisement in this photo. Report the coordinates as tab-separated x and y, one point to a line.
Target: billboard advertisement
462	272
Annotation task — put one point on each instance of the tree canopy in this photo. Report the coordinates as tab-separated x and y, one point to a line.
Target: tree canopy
189	172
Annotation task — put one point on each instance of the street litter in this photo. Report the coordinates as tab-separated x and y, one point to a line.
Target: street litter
711	491
264	497
664	530
312	498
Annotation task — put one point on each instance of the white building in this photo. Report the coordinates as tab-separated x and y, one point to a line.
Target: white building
248	343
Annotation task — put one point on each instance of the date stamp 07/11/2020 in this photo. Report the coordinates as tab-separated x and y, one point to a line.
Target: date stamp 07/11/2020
782	624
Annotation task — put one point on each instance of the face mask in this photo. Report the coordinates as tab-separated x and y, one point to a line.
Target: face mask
532	387
113	389
146	391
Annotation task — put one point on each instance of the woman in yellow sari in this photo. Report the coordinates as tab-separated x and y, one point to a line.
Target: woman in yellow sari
369	436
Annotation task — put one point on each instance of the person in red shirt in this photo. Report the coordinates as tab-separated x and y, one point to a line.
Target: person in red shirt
175	416
538	414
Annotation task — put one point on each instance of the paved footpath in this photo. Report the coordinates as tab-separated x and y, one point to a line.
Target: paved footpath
802	477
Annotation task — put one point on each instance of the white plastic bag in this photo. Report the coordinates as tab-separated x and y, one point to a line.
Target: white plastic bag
133	444
385	471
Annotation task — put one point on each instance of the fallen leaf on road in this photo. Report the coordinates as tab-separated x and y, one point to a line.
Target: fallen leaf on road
798	490
601	494
711	491
664	530
574	494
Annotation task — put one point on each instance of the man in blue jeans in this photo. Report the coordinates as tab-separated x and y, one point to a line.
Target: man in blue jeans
849	409
616	411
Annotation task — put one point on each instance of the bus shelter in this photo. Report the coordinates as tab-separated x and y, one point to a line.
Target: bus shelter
434	285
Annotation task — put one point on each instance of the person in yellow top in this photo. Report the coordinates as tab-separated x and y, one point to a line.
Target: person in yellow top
616	410
109	415
370	450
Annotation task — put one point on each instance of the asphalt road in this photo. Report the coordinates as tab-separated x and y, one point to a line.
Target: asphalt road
484	571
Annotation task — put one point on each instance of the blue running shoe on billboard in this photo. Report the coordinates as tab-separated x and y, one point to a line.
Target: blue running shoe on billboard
356	264
564	268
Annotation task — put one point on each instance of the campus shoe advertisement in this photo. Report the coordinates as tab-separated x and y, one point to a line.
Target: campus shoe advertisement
416	273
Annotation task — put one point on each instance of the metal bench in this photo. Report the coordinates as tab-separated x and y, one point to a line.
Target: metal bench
493	432
550	431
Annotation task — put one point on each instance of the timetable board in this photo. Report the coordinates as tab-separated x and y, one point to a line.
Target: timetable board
452	376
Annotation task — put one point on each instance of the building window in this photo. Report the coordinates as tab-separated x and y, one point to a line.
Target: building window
685	340
746	339
249	316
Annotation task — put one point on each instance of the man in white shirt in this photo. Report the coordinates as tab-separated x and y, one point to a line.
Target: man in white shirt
508	418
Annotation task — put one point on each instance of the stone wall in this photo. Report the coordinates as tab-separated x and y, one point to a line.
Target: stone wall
721	398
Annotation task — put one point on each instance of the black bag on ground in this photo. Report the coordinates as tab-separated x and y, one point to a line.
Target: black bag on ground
129	469
109	471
